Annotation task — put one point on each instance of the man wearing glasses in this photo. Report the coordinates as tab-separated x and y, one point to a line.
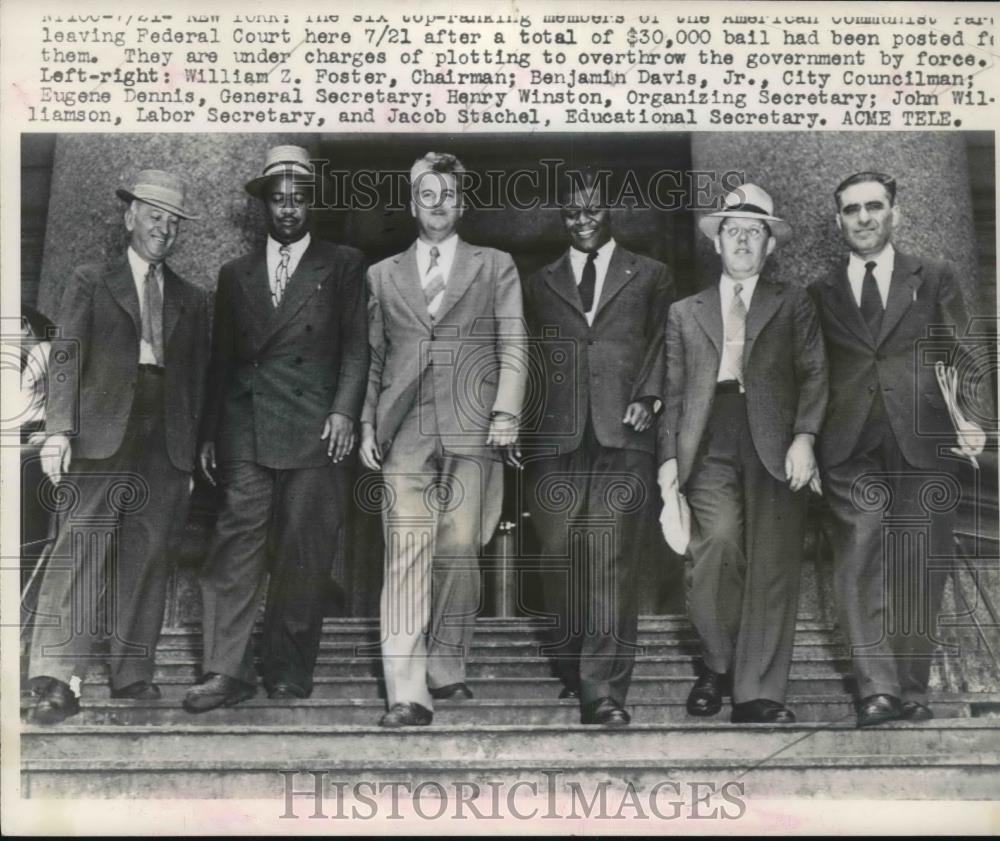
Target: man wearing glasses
745	395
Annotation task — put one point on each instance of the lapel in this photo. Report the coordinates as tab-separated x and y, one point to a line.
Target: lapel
708	313
906	280
466	265
559	277
767	297
845	307
621	269
173	303
121	285
405	277
257	290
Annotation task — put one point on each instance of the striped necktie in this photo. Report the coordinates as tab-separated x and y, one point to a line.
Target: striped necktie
281	275
435	280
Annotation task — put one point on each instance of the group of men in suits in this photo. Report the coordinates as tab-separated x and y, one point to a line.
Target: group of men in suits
742	397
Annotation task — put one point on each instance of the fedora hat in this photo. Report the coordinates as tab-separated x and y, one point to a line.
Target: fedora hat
160	189
282	160
746	202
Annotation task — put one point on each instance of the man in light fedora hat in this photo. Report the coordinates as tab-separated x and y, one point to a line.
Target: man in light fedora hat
744	399
124	402
286	383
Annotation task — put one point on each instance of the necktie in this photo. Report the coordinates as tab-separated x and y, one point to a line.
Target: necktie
587	282
152	313
435	280
281	275
871	301
732	354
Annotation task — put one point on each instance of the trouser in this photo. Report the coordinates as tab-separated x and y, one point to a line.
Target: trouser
746	549
590	509
108	571
890	528
440	509
294	519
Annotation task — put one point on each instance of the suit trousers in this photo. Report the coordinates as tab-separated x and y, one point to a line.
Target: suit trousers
439	509
746	548
892	552
107	575
286	522
590	511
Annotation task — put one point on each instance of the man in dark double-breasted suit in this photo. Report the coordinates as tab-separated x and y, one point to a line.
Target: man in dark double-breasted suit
596	317
746	391
286	384
885	445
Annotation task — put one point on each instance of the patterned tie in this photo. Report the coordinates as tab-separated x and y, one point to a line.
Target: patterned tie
435	281
871	301
281	275
588	281
152	313
736	324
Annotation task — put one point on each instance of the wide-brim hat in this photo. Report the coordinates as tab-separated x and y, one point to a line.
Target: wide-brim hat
282	161
746	202
160	189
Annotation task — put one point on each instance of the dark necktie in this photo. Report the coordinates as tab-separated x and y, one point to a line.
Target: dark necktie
152	314
588	281
871	301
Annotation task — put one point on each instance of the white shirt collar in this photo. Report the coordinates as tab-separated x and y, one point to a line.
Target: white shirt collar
295	249
885	262
140	267
446	254
603	253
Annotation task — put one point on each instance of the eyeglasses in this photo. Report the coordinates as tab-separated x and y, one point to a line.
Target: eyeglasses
754	232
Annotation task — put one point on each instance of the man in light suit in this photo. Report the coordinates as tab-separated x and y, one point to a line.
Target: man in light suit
746	391
597	434
126	383
445	387
885	427
286	384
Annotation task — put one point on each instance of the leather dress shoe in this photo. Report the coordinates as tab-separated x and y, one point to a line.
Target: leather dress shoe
705	697
915	711
55	703
878	709
606	712
452	692
286	692
406	715
569	692
217	690
141	690
762	711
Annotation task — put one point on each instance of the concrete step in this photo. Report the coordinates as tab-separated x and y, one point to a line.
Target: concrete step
314	745
323	711
663	780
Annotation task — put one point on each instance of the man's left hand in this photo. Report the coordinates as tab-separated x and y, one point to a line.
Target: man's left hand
971	439
800	464
338	431
503	430
638	415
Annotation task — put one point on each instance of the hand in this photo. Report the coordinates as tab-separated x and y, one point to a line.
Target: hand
638	415
338	431
371	456
667	477
206	461
56	457
971	439
512	456
503	430
800	464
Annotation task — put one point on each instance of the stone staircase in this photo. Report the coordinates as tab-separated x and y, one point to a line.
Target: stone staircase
514	730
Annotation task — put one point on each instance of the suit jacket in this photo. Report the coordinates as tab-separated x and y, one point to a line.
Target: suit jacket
93	365
472	354
597	369
277	373
784	373
921	293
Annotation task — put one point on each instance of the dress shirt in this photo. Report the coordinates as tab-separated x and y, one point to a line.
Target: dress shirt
884	263
578	259
446	256
295	251
139	268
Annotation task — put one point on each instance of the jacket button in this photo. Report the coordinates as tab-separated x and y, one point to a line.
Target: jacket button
871	389
298	360
309	328
256	364
591	341
297	392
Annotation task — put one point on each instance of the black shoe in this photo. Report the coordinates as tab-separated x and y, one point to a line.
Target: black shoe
217	690
762	711
286	692
878	709
569	692
406	715
141	690
452	692
915	711
56	703
606	712
705	697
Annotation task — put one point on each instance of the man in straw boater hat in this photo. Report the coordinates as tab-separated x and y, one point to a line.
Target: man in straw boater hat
125	392
745	395
286	383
